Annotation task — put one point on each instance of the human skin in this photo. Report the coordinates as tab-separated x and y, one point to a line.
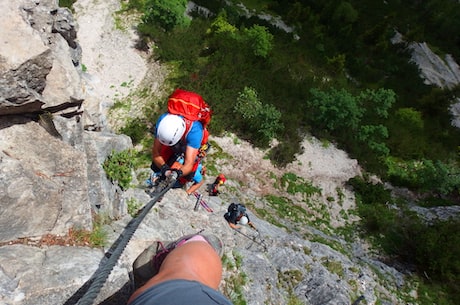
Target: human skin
190	156
194	261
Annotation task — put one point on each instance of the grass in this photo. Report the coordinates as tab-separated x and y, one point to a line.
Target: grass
234	284
133	206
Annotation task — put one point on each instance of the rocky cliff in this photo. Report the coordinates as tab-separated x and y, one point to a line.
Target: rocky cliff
60	73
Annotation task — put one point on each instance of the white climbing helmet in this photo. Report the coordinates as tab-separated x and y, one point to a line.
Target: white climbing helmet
171	129
243	221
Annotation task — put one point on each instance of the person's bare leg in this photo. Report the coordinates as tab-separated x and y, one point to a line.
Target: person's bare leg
194	260
194	187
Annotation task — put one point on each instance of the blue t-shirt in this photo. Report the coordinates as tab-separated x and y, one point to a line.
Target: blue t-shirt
194	136
197	177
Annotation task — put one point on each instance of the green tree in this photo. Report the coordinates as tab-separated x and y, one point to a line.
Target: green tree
263	121
378	101
335	109
248	103
412	118
345	13
374	137
424	175
407	129
166	13
221	25
259	39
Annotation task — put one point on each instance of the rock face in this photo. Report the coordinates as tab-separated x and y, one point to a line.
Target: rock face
51	173
434	70
443	73
54	137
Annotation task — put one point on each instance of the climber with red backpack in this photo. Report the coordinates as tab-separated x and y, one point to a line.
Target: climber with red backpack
180	132
214	188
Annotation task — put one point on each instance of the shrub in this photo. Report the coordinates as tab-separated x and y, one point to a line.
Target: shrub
118	167
166	13
133	207
263	121
136	129
259	39
424	175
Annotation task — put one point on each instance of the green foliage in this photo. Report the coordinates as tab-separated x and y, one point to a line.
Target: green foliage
407	140
263	121
97	237
378	101
220	25
290	279
284	153
411	117
370	193
374	137
286	209
333	266
248	104
372	205
433	247
424	175
133	207
438	249
132	5
345	13
335	37
118	168
233	287
294	184
433	293
166	13
136	129
67	3
259	39
335	109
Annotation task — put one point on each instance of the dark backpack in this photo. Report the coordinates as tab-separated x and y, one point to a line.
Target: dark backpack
234	207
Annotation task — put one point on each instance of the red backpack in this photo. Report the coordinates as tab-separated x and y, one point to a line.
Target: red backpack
191	106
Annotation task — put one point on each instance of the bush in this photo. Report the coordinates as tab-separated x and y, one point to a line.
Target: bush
259	39
262	121
424	175
433	248
118	167
136	129
166	13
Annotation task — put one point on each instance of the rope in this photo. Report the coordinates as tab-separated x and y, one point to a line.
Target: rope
103	272
253	239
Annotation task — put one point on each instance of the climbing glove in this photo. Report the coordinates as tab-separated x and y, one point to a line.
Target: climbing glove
164	168
176	173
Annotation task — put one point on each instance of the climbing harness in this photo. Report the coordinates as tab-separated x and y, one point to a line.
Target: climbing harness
103	272
260	242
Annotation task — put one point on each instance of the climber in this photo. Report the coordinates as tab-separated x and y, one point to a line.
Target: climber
180	132
213	189
236	215
169	145
187	271
197	180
